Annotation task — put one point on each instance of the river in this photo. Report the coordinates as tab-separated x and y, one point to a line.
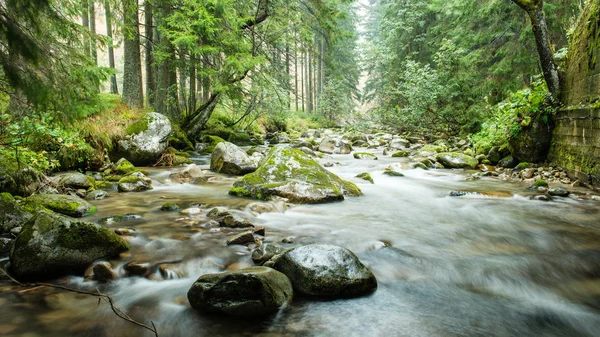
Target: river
446	266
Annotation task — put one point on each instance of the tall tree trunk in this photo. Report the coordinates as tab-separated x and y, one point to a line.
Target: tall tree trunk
182	81
192	87
166	73
319	70
149	53
310	82
85	22
287	74
132	72
205	81
114	89
296	71
92	12
303	78
201	116
535	10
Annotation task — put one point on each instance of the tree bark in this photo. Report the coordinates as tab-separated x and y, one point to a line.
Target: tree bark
309	81
114	89
534	9
296	71
149	53
85	22
201	116
132	71
192	87
92	13
166	74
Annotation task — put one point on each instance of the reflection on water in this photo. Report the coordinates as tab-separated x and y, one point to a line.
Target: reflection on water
446	266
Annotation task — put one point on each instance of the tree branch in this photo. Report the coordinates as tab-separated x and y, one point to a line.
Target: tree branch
98	294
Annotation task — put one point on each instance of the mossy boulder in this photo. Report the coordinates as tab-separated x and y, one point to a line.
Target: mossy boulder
133	184
169	206
457	160
51	245
124	166
292	174
366	176
64	204
326	270
255	291
211	142
508	162
229	159
532	142
364	156
392	173
400	154
12	213
522	166
146	139
76	180
22	181
180	141
538	183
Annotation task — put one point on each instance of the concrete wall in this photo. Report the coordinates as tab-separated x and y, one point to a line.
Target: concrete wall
576	139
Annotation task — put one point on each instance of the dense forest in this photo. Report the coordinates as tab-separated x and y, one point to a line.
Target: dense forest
302	167
218	66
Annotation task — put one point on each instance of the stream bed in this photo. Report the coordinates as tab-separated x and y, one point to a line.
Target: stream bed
495	265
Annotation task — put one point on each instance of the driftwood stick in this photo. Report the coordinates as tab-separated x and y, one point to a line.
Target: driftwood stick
120	313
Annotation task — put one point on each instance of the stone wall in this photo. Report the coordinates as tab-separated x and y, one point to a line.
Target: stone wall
576	139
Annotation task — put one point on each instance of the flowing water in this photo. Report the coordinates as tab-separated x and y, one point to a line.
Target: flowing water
446	266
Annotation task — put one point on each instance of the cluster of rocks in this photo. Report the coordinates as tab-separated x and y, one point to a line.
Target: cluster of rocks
319	270
44	244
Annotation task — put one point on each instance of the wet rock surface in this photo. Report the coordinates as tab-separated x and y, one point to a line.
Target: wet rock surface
326	270
255	291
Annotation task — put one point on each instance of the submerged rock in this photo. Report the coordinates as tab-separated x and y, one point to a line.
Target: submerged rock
229	159
147	139
558	192
64	204
103	272
292	174
254	291
366	176
457	160
364	156
51	245
326	270
241	238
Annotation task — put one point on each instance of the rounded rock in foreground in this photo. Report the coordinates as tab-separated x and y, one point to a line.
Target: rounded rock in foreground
255	291
326	270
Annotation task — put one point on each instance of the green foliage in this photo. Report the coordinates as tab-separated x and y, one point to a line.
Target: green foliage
509	116
439	64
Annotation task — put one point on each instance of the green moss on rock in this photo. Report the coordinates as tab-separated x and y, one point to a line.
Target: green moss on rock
64	204
366	176
292	174
51	245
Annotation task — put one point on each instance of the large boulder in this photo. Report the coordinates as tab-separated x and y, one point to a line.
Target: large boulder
17	180
456	160
292	174
64	204
326	270
51	245
532	142
12	214
133	183
328	145
229	159
254	291
75	180
147	139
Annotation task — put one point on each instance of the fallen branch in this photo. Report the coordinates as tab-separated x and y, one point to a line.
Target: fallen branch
98	294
